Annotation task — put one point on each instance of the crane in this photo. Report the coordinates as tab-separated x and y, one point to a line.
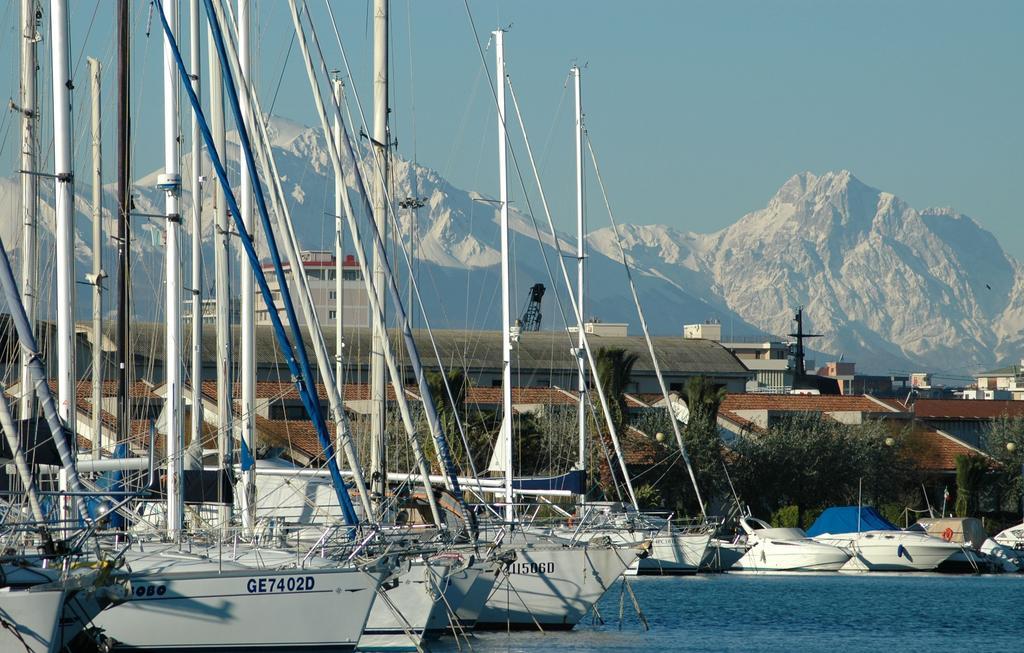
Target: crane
531	316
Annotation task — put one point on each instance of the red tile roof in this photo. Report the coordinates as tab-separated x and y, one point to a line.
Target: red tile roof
548	396
932	450
967	408
802	403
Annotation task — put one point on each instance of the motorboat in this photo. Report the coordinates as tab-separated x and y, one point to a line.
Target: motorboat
977	551
876	544
785	549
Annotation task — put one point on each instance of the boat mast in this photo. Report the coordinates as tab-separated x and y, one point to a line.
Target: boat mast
506	336
195	63
97	258
171	184
378	454
339	264
222	290
581	383
64	207
248	293
29	187
124	202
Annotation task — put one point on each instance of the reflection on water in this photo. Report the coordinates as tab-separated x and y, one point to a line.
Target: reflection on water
827	612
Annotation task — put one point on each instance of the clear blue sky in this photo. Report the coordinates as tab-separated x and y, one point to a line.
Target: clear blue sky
699	110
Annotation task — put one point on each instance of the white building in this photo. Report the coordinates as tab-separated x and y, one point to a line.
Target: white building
768	359
320	272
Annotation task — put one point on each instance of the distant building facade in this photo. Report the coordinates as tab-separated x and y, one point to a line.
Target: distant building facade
321	270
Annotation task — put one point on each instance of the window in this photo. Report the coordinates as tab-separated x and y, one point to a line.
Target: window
351	275
332	315
333	295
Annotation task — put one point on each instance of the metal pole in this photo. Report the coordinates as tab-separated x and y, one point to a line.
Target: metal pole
195	54
581	379
95	70
14	442
64	212
378	455
123	212
248	293
222	289
506	310
29	186
339	266
171	183
39	381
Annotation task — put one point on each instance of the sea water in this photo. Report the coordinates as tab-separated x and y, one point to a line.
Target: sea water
814	612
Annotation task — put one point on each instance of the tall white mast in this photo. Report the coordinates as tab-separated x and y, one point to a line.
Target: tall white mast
506	336
378	460
171	183
97	257
339	263
247	351
195	63
29	189
64	213
222	291
580	257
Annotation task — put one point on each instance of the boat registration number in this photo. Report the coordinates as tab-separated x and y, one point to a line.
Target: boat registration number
531	568
281	584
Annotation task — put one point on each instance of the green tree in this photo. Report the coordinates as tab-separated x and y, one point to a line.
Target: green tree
812	462
615	373
1003	439
701	436
970	480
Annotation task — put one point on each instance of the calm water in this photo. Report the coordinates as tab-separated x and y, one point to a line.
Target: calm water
828	612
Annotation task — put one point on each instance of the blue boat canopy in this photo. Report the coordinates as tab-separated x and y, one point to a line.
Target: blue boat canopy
844	520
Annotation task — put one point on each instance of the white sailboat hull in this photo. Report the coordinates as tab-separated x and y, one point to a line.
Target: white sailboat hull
415	606
551	586
45	619
243	609
31	620
672	553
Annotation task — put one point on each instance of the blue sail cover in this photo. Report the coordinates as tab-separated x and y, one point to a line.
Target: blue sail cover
844	520
574	481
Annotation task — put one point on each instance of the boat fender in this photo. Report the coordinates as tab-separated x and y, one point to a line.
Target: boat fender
948	534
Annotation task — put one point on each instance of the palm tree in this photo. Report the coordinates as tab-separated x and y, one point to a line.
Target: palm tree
703	444
615	373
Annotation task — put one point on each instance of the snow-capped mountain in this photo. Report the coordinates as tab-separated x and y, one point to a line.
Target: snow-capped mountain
886	284
890	287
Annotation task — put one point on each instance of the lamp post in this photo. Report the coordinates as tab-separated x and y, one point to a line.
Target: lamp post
1011	447
413	204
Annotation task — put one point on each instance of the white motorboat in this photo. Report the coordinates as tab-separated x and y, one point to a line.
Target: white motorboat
891	550
785	549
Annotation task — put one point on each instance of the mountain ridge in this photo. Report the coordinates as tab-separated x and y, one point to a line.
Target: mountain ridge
889	286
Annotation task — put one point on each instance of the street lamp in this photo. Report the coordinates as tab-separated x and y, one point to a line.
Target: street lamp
890	441
412	204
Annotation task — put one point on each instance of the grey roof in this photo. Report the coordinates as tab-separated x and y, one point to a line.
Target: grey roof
477	349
